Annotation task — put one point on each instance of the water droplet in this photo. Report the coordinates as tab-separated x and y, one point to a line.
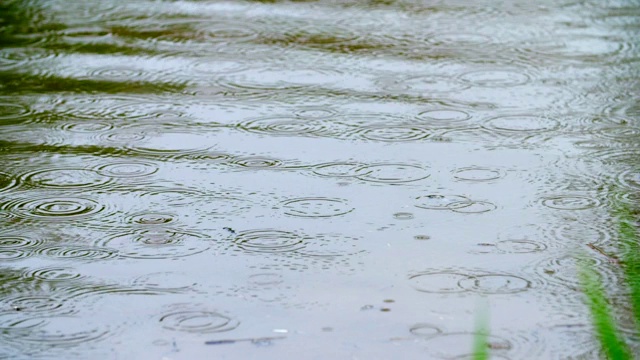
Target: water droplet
65	178
475	207
495	78
477	174
523	123
520	246
439	282
569	202
316	207
442	202
270	241
495	284
198	321
425	330
163	243
125	169
394	133
392	173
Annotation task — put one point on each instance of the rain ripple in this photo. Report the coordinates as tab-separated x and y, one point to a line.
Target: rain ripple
193	319
65	178
53	208
316	207
164	243
457	282
55	331
269	241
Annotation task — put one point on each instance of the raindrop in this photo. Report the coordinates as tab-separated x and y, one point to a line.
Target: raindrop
443	117
13	254
394	133
337	169
475	207
495	78
87	127
198	321
403	216
392	173
442	202
53	274
65	178
425	330
316	207
34	303
62	331
314	112
151	218
126	169
439	282
477	174
57	208
520	246
265	279
11	242
161	243
269	241
284	126
257	162
495	284
523	123
569	202
77	252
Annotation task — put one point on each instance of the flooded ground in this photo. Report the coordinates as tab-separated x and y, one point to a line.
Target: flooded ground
313	180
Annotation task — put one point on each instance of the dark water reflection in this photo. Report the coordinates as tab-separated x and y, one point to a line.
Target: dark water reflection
335	179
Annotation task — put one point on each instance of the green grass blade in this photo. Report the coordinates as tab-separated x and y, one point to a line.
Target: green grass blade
615	348
630	239
480	344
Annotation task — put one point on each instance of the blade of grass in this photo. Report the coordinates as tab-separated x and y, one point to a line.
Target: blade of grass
480	344
601	315
630	239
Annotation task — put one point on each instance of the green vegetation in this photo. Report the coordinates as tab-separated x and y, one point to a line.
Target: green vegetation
480	344
599	307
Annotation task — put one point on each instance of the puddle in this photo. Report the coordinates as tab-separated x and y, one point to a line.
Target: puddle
262	175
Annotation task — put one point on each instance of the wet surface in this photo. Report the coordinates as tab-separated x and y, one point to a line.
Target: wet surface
334	179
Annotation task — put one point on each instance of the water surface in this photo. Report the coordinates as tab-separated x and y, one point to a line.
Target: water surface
314	179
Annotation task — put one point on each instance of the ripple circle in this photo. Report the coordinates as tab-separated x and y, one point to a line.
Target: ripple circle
568	202
524	123
197	321
158	244
475	207
495	284
396	133
392	173
65	178
316	207
77	252
495	78
442	202
56	208
269	241
128	169
439	282
477	174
